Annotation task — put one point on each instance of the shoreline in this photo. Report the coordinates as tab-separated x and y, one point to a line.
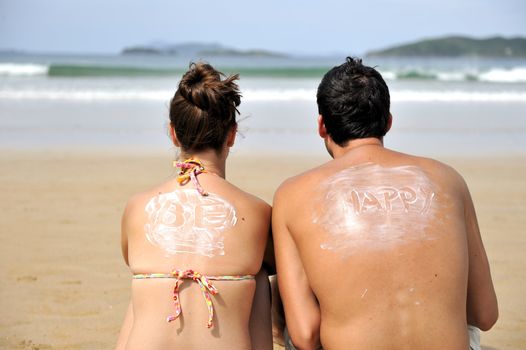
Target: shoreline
65	284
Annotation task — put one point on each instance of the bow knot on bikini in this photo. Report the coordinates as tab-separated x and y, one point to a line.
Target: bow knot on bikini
190	168
206	287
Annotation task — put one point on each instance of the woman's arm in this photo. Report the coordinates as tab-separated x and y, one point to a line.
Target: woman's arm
278	314
125	329
260	325
269	261
128	319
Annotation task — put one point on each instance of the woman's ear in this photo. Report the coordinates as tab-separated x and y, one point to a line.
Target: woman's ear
231	138
173	136
322	131
389	122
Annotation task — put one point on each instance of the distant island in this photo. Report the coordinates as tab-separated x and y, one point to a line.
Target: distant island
141	50
458	46
195	49
232	52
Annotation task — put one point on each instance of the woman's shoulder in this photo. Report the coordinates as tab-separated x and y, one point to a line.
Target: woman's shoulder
247	199
138	201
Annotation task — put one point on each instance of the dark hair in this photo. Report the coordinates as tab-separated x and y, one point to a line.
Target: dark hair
353	100
203	109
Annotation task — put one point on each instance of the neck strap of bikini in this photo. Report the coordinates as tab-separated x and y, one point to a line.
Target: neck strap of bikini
190	168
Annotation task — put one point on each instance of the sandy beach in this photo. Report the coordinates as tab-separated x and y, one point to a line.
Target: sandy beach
64	284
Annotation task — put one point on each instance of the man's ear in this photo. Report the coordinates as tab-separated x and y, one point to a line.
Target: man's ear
322	131
231	138
173	136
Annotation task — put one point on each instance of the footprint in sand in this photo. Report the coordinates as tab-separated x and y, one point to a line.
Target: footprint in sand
29	345
71	282
26	278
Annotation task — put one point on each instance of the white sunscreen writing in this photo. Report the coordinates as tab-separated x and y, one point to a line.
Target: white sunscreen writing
184	221
374	207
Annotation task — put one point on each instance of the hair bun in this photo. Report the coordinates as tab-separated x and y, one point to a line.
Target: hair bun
204	107
202	86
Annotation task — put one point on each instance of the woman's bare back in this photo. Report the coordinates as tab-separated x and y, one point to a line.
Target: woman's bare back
194	257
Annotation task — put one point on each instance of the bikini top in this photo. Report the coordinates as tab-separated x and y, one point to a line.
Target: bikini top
190	168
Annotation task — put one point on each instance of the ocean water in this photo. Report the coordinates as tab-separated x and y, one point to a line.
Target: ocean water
441	107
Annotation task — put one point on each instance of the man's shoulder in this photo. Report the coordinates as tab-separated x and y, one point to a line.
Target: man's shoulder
440	171
438	166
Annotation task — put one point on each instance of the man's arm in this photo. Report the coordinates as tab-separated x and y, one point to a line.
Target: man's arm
482	308
302	313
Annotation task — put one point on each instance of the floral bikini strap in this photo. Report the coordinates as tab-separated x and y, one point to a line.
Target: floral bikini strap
190	168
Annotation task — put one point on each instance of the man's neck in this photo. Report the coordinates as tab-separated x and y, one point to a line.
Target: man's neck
338	151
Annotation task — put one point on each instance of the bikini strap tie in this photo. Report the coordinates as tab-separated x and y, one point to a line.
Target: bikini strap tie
207	289
190	168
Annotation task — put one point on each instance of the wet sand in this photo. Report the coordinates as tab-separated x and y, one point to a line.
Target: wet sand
64	284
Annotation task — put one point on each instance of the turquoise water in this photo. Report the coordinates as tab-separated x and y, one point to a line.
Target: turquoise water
440	106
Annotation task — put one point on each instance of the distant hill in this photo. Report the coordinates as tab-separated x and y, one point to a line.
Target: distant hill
141	50
160	48
457	46
232	52
194	49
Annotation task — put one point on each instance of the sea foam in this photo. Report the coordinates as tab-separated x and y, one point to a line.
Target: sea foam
17	69
491	75
254	95
514	75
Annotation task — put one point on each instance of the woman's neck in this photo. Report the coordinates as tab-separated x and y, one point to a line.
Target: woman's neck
212	161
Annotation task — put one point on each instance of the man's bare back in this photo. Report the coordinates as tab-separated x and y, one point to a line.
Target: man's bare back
380	250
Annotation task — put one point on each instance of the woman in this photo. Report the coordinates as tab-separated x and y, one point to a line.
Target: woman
195	243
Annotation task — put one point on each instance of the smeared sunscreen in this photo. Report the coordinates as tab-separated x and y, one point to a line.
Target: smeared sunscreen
184	221
371	207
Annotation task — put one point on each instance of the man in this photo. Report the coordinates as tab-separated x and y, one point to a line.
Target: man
377	249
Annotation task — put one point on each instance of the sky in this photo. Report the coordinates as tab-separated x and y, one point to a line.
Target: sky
289	26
